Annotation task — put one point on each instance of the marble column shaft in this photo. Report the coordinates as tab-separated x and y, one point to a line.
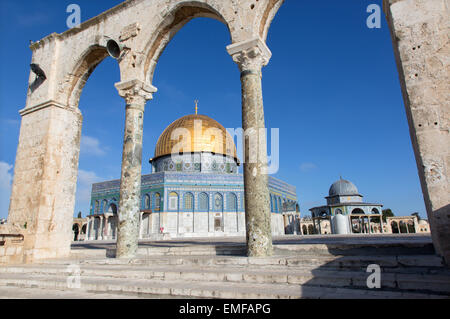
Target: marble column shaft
136	95
251	56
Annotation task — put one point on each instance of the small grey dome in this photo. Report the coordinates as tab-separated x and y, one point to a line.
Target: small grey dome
343	188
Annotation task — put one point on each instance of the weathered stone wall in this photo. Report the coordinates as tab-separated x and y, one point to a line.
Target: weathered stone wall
420	32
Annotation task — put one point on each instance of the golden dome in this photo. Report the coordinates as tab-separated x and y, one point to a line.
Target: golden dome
195	133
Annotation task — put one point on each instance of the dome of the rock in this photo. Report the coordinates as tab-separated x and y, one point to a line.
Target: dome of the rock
195	133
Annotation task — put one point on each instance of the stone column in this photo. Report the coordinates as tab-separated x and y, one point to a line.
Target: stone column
420	34
251	56
141	215
136	94
91	228
45	177
105	229
101	227
381	224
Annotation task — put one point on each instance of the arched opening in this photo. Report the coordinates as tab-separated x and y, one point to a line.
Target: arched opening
305	230
76	231
402	227
358	211
394	226
93	94
147	201
177	17
410	227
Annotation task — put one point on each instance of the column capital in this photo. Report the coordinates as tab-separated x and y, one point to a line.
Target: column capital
250	55
135	91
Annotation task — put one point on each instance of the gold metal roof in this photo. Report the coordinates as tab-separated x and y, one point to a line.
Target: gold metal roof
195	133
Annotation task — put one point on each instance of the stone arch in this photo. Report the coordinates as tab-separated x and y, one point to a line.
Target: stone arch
305	230
175	18
357	211
394	227
112	209
82	70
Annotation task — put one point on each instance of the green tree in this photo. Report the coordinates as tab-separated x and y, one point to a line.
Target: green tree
79	215
417	215
387	213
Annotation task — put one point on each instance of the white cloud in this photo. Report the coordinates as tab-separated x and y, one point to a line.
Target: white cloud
84	188
307	167
6	176
91	146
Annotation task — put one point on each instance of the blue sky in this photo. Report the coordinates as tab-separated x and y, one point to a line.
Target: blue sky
331	88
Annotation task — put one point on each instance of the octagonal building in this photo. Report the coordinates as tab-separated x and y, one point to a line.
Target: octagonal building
195	189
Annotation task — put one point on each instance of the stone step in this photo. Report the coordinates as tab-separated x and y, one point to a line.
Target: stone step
358	249
199	289
436	283
408	264
17	292
388	248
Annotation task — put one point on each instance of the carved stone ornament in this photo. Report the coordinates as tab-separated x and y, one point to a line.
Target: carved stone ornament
135	91
250	55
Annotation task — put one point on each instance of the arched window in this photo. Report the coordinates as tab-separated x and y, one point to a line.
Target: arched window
147	201
173	201
375	211
105	206
338	211
203	202
275	205
113	209
218	202
97	207
188	202
157	202
232	202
